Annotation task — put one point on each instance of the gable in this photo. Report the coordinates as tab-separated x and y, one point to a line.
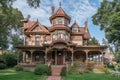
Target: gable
75	27
37	27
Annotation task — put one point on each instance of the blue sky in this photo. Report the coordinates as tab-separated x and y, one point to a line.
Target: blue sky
78	10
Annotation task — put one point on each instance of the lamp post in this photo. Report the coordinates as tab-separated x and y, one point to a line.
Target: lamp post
1	50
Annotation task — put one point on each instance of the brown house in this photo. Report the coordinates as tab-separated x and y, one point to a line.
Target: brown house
60	43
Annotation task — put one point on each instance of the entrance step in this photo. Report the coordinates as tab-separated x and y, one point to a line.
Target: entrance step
54	78
56	69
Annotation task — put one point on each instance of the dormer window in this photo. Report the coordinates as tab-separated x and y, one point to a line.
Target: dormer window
75	29
37	28
59	21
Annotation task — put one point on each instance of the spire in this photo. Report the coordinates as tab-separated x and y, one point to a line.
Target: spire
59	4
37	19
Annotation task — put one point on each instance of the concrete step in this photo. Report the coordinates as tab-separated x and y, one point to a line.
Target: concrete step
56	70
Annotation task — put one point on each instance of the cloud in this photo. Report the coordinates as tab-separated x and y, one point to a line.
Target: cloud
79	10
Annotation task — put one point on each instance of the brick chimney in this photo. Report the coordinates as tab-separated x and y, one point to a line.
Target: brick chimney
86	26
52	8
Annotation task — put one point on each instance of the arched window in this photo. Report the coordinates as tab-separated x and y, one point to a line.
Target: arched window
26	40
37	40
59	21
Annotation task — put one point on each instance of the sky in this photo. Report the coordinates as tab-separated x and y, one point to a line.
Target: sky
78	10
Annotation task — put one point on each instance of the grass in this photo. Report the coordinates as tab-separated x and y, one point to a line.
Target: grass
10	74
90	76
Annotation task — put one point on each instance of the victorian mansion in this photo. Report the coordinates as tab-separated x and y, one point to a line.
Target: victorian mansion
60	43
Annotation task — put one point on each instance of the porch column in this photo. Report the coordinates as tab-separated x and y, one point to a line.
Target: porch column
31	52
102	59
55	57
72	59
86	61
99	57
64	57
45	57
24	57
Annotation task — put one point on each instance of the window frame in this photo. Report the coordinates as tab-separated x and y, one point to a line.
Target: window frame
75	29
37	40
26	40
60	21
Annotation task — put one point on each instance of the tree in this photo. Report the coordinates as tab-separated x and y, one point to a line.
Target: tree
108	18
117	57
93	41
10	21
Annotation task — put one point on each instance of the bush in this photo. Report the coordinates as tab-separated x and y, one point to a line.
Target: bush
10	59
18	68
2	66
77	63
42	69
63	71
111	67
90	66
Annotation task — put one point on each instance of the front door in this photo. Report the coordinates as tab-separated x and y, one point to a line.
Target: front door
59	58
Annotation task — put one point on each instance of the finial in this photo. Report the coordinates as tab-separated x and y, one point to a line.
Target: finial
37	19
60	4
28	17
75	20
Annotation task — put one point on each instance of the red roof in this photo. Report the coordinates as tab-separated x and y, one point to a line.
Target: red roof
28	24
60	13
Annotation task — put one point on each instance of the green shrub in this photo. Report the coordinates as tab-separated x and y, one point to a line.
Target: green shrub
2	66
42	69
77	63
10	59
18	68
111	67
63	71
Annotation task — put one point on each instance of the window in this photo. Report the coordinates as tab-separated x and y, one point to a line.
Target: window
53	37
37	40
67	36
60	35
45	41
54	22
37	28
26	41
59	21
75	29
65	22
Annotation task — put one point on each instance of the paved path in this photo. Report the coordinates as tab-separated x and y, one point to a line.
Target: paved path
54	78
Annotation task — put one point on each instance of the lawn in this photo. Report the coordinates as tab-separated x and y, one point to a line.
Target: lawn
10	74
90	76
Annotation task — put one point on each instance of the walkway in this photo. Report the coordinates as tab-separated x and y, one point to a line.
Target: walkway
54	78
